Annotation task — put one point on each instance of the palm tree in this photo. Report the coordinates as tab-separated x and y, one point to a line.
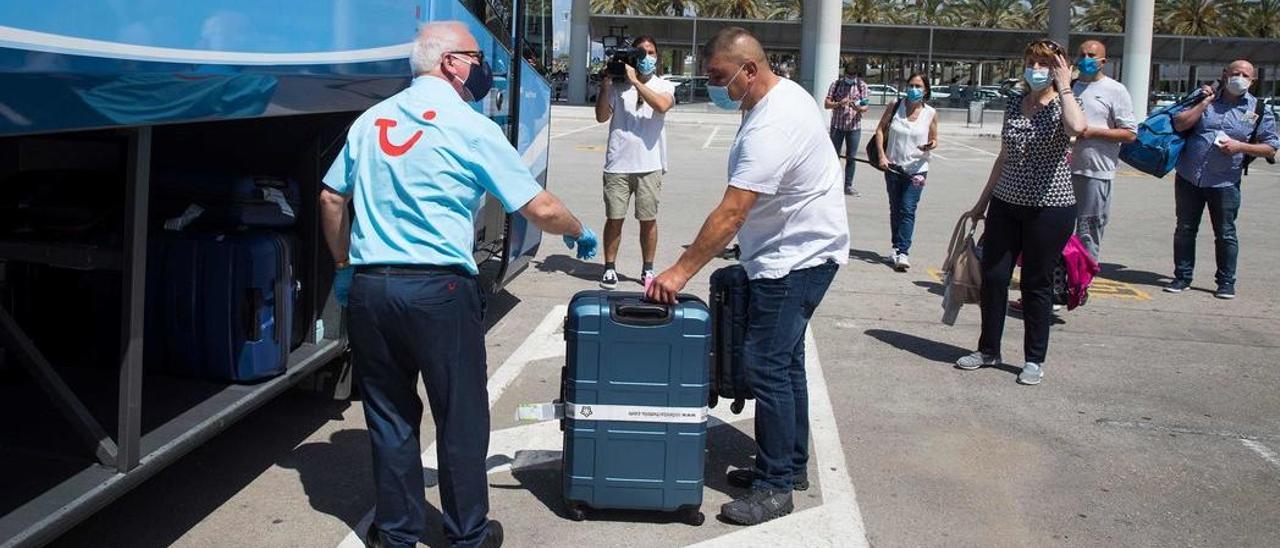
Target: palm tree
735	9
1037	15
931	12
1259	19
665	7
621	7
992	14
870	11
786	10
1102	16
1198	17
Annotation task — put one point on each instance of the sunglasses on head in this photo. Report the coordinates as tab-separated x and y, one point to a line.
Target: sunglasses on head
1053	46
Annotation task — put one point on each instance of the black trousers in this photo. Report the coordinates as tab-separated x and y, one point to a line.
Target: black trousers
1038	234
429	323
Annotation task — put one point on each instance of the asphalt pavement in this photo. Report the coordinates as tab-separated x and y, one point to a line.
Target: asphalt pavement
1158	422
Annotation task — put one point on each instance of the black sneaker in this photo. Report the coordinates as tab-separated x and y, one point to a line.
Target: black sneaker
744	478
493	535
1225	291
1177	286
758	507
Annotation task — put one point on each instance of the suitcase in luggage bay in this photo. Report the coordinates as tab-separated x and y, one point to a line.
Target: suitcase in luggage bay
229	201
634	390
729	301
221	305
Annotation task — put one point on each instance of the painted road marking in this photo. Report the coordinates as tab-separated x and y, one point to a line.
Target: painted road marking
988	153
590	148
572	131
544	342
540	444
714	130
1265	452
838	521
1101	288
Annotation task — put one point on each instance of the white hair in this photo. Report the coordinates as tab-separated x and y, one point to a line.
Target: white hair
433	41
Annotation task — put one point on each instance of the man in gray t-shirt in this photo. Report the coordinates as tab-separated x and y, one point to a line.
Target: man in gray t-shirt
1109	111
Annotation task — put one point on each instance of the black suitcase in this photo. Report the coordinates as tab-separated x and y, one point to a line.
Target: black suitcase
729	302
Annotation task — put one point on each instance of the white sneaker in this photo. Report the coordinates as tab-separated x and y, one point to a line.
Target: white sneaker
903	263
609	280
977	360
1031	374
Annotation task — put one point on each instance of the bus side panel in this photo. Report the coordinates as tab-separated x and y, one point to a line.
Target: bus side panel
534	144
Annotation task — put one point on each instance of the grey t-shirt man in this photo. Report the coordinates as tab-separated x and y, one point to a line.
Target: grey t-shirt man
1106	104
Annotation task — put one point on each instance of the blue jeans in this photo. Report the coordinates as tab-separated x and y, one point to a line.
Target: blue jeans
428	323
903	197
1224	205
773	352
849	139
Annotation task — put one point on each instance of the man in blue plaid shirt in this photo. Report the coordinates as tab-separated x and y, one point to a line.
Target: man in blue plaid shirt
847	99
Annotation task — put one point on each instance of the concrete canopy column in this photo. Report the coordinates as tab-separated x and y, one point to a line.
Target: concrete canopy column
1139	20
579	50
820	45
1060	22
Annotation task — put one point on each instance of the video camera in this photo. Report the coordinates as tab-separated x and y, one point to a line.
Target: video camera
619	55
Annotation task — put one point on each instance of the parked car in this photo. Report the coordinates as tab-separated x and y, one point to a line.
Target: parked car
882	94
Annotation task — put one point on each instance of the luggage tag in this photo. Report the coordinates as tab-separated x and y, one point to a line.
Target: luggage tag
1251	117
540	412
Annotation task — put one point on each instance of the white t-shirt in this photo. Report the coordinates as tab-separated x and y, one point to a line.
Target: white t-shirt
1106	104
906	138
783	152
637	133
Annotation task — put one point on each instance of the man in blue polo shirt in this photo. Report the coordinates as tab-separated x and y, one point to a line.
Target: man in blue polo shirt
417	167
1209	172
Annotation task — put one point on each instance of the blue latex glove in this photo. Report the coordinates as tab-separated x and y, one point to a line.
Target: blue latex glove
342	283
587	243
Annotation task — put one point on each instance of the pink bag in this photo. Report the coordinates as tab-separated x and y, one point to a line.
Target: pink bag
1081	268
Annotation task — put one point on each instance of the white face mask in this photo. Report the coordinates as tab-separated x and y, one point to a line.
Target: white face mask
1237	85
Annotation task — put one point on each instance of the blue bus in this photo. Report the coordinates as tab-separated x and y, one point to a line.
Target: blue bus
124	88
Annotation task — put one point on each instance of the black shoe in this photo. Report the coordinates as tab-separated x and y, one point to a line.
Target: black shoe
372	538
758	507
1177	286
493	536
1225	291
745	477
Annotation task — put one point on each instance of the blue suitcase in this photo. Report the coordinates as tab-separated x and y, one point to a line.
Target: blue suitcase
221	304
730	299
634	390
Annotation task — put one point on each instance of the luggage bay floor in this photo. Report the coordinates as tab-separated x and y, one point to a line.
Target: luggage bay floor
1153	425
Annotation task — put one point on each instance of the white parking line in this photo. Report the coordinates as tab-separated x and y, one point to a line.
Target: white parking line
714	131
572	131
838	521
1263	451
543	343
993	155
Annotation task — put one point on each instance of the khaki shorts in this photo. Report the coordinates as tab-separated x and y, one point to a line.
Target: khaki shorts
618	188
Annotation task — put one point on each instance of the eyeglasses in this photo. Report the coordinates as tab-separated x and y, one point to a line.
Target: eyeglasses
1053	46
474	54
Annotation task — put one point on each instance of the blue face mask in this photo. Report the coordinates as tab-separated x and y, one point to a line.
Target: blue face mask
720	94
648	65
1088	66
915	94
1038	79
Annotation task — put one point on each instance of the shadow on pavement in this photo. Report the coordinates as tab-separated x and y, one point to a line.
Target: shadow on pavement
870	257
727	446
933	287
933	351
582	270
1121	273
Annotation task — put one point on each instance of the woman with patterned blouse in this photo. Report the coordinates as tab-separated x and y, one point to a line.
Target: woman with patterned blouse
1029	205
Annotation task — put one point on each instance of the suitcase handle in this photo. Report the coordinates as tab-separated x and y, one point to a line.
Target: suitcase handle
642	313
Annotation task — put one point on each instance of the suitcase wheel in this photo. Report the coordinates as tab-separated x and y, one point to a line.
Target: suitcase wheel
694	517
737	406
713	399
577	512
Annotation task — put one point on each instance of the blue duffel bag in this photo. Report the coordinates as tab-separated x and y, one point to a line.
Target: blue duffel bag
1158	145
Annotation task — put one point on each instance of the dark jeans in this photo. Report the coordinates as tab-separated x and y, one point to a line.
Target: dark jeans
1224	205
1038	234
429	323
903	197
773	351
849	139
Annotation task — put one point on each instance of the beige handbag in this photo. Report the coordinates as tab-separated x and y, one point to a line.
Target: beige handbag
962	271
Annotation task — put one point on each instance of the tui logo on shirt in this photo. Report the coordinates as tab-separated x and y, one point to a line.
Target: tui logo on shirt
384	137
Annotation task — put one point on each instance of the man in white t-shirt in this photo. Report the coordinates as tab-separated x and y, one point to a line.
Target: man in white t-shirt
635	108
1109	111
785	203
